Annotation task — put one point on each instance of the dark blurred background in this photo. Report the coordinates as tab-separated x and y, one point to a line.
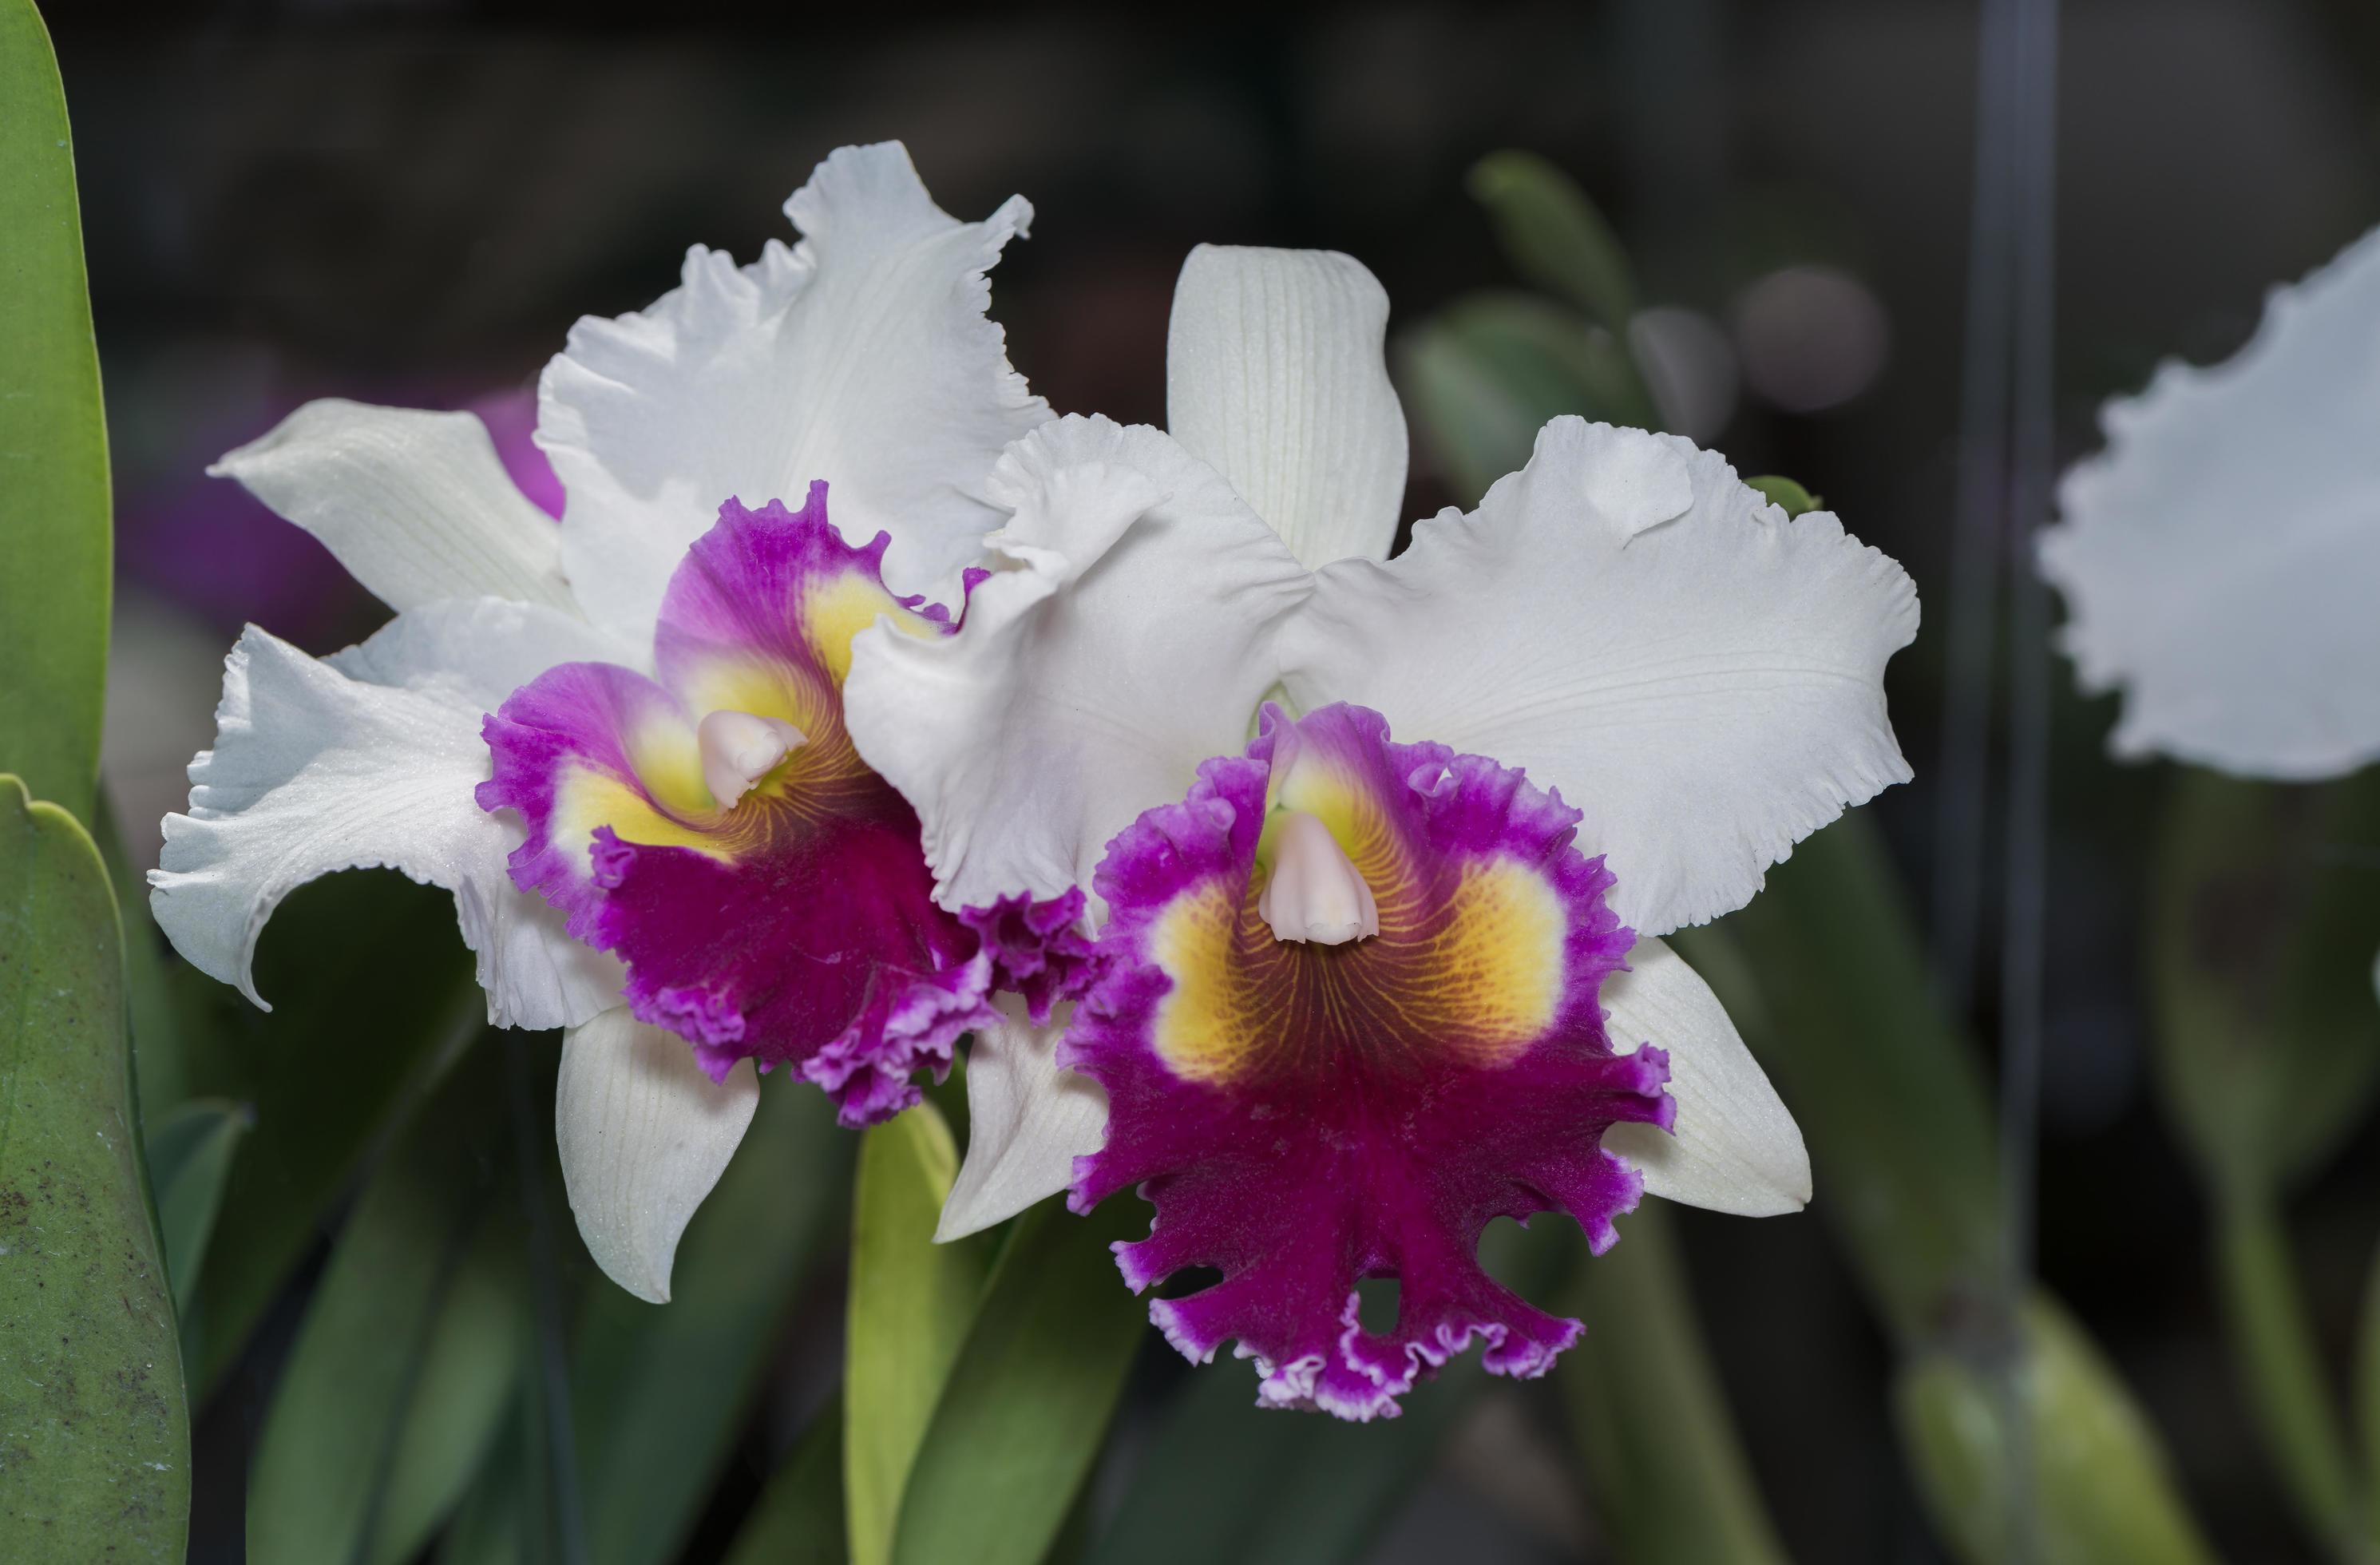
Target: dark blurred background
409	200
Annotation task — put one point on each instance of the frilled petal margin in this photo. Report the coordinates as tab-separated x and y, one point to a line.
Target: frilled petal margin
2220	560
1306	1116
862	353
1632	626
1127	638
643	1134
366	759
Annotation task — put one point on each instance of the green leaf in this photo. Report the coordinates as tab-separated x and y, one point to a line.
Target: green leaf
54	495
1671	1479
660	1392
399	1377
372	999
2269	1041
1554	234
1784	491
799	1518
1823	975
1024	1414
2101	1489
189	1156
2367	1385
911	1300
95	1432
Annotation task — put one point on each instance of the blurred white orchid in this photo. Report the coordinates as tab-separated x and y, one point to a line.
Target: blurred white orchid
861	356
2220	558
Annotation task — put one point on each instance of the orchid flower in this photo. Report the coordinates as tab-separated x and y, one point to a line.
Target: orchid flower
2219	558
1392	968
661	834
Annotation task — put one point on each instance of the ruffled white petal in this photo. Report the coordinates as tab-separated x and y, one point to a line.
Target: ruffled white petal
1128	638
1735	1148
369	757
2220	558
1633	626
1276	375
1027	1120
861	356
644	1134
416	506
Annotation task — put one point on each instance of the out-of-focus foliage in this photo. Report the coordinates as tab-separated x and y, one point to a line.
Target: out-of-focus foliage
1650	1415
400	1377
54	499
2102	1490
799	1518
2268	1051
189	1157
94	1435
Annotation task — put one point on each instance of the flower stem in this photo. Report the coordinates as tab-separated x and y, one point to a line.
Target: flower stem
2273	1343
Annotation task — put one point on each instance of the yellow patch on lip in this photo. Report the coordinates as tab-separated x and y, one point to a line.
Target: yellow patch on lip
586	797
836	609
1471	970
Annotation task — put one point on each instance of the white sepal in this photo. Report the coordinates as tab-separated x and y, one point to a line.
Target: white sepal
644	1134
1027	1120
416	506
1735	1148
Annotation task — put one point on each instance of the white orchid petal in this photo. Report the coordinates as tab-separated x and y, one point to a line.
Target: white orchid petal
2219	558
1736	1147
644	1134
1027	1120
369	758
1131	639
861	356
1704	684
416	506
1275	374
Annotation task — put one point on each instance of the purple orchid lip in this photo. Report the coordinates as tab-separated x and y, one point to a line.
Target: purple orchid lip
793	922
1304	1116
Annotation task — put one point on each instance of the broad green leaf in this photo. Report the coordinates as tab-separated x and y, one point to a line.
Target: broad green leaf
1025	1409
190	1154
1554	234
1784	491
910	1304
1670	1480
2265	917
1823	975
54	494
159	1071
372	998
659	1391
95	1432
2101	1489
355	1461
799	1519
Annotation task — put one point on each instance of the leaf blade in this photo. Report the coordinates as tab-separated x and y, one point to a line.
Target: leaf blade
97	1428
54	504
